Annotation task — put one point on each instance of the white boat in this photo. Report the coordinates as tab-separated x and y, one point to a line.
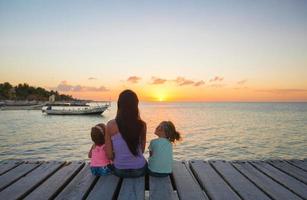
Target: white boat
75	110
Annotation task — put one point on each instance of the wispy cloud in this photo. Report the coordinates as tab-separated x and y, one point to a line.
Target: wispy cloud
242	82
283	91
199	83
92	78
181	81
157	81
134	79
216	79
65	87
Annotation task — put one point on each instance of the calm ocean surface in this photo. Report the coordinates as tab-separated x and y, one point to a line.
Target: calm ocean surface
210	131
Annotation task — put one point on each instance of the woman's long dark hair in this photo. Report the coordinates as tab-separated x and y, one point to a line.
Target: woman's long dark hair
128	120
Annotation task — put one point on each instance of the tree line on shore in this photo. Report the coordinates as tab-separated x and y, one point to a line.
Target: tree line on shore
30	93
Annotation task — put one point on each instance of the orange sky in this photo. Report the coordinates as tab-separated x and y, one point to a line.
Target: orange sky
170	91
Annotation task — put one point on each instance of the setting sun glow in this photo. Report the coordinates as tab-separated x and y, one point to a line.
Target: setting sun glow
161	94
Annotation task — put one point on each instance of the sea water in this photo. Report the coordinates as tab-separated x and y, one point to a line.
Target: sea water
227	131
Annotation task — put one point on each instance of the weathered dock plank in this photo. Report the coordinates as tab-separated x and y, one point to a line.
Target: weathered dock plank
105	188
299	163
132	188
287	181
49	188
79	186
14	174
265	180
245	188
187	186
161	188
27	183
290	169
8	165
212	182
269	186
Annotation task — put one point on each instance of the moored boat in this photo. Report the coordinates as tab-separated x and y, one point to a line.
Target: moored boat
91	110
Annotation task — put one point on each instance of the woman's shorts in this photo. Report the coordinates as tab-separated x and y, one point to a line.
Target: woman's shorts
130	173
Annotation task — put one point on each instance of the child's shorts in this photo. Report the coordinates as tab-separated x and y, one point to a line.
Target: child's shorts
101	171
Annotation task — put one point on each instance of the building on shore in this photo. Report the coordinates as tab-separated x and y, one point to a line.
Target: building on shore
52	98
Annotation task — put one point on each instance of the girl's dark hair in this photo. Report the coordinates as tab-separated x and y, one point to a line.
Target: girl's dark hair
128	120
170	131
97	134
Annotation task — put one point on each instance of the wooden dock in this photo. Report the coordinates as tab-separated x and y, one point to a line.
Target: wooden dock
235	180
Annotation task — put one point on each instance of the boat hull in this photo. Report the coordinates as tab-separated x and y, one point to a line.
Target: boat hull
96	111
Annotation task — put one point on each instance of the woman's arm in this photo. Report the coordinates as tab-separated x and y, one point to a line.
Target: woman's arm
144	138
90	152
108	141
150	149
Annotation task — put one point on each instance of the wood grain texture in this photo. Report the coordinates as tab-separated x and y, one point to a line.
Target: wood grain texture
269	186
282	178
290	169
212	182
49	188
161	188
105	188
8	165
187	186
29	182
132	188
79	186
16	173
245	188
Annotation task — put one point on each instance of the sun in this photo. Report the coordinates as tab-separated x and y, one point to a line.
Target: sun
160	95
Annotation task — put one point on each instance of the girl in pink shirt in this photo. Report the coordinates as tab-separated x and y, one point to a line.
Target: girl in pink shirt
100	164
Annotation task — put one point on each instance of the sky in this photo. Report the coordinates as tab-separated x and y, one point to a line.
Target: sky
163	50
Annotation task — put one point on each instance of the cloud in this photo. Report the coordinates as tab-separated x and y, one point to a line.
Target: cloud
157	81
242	82
92	78
283	91
134	79
216	79
181	81
65	87
199	83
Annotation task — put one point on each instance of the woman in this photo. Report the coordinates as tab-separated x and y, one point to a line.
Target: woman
125	138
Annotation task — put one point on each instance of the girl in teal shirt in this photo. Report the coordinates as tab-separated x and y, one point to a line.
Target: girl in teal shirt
160	162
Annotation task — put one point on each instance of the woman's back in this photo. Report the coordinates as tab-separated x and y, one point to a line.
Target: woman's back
123	158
